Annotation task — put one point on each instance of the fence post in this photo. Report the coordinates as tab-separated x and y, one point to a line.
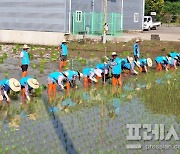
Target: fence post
73	25
92	22
112	27
84	22
115	23
121	23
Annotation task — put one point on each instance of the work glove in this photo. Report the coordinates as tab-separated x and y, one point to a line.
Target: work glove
106	57
28	98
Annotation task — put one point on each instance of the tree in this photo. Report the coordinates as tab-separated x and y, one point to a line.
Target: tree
154	6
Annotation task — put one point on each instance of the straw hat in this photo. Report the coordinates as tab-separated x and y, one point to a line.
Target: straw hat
98	72
149	62
137	63
25	46
1	97
130	59
14	85
114	54
138	40
63	41
33	83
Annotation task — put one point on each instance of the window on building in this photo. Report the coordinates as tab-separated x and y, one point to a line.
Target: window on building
136	17
78	16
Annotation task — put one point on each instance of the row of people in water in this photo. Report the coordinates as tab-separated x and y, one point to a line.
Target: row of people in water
102	70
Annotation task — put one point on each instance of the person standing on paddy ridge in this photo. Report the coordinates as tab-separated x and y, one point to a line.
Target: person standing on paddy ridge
24	60
104	67
27	85
162	62
115	64
91	74
53	79
129	64
72	76
63	55
5	87
144	63
136	50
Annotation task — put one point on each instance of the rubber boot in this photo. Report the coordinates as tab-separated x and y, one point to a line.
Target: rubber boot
50	85
68	86
140	69
159	67
61	63
0	104
64	63
23	94
114	81
85	82
54	91
119	82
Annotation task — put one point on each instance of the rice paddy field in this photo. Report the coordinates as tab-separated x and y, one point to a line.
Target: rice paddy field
92	120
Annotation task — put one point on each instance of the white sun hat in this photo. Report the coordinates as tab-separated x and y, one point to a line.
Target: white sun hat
63	41
138	40
33	83
137	63
14	85
114	54
149	62
25	46
98	72
130	59
1	97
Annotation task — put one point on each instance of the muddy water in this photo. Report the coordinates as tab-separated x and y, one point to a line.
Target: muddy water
85	129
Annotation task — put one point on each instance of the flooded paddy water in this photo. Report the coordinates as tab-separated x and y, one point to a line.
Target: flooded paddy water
88	120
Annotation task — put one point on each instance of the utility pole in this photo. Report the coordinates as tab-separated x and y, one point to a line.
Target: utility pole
105	28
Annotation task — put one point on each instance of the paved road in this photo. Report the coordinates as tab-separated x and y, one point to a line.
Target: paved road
165	30
165	33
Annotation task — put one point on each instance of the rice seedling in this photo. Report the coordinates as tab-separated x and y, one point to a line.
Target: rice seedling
4	55
1	60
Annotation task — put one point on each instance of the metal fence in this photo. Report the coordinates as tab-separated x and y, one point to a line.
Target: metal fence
92	24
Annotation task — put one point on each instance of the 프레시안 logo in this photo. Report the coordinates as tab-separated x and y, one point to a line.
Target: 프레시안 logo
149	132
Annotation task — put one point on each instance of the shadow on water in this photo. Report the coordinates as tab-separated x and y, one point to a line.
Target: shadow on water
60	131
